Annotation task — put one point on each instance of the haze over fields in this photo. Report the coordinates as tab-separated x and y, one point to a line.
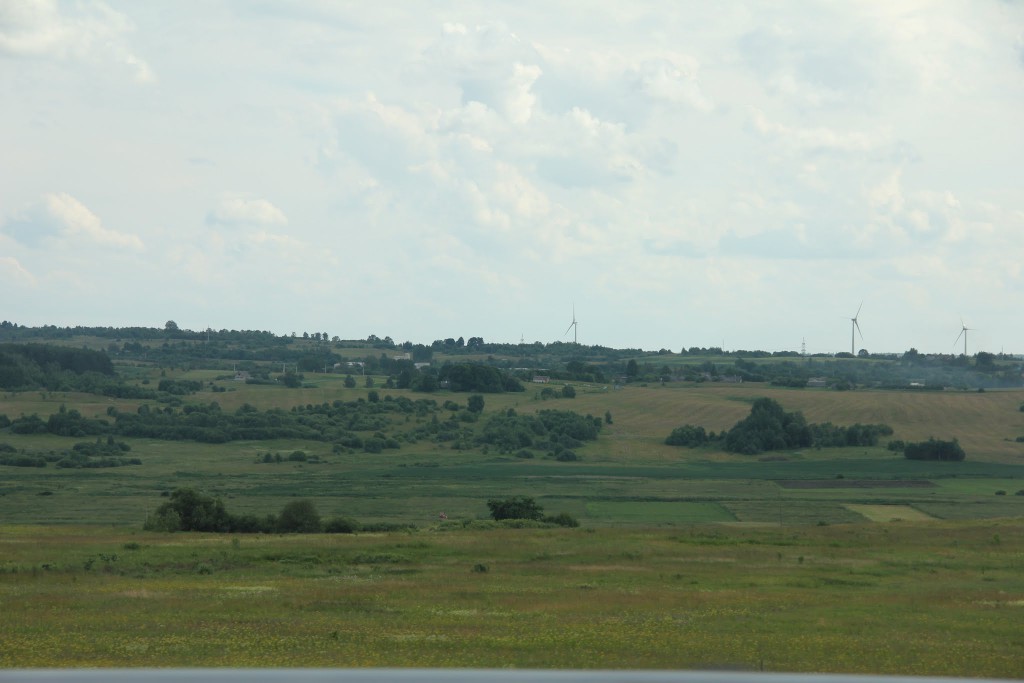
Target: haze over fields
737	174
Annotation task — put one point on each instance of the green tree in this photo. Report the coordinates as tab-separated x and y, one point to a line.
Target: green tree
299	517
934	449
768	428
192	510
350	381
475	403
516	507
632	369
687	435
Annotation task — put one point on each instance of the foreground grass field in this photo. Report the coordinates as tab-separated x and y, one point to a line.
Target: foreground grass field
933	598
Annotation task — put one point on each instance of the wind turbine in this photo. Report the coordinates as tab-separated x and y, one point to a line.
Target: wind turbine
573	326
854	325
963	333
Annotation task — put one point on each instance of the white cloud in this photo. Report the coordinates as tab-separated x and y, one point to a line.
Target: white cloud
91	31
61	220
14	273
78	221
239	210
818	138
671	77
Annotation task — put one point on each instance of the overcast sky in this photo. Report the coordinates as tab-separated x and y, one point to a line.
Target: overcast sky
682	173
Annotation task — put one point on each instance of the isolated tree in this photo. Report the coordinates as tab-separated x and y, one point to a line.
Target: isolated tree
171	326
299	517
189	510
516	507
475	403
632	369
768	428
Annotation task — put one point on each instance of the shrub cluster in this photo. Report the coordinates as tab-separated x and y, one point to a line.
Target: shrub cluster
484	379
179	387
828	435
688	435
934	449
554	431
189	510
770	428
526	508
85	455
335	422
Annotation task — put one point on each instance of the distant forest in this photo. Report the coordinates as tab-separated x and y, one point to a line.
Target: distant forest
86	358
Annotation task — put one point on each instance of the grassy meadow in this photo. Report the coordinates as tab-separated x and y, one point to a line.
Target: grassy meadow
842	560
935	598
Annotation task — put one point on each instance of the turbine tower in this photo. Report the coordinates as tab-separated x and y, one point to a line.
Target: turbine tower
963	333
573	326
854	325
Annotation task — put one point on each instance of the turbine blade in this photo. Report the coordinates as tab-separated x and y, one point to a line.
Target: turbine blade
858	310
857	325
568	328
958	337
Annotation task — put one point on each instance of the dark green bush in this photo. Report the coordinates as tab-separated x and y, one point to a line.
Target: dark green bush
341	525
189	510
299	517
934	449
562	519
516	507
688	435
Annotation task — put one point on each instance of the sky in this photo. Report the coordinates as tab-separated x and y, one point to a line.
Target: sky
673	174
